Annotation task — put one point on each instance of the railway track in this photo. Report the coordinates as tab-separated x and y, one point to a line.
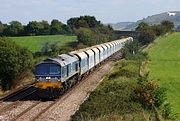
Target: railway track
47	106
25	111
52	103
19	97
16	98
15	92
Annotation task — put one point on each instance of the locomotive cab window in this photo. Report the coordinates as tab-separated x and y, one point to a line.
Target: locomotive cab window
54	69
47	69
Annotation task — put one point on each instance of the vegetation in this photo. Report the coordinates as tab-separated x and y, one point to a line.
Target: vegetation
89	31
164	67
15	28
132	51
148	33
14	61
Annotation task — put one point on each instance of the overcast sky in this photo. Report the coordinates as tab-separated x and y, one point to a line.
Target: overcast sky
108	11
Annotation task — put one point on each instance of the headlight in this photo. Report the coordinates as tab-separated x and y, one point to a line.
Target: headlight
48	78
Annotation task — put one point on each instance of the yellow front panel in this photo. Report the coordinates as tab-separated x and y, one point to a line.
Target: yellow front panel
45	85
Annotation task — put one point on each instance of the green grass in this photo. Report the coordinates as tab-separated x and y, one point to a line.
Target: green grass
35	43
165	67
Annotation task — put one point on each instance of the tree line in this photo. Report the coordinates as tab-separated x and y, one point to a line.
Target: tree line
15	28
148	33
74	25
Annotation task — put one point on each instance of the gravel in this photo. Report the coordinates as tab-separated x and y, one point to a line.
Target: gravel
28	116
4	104
16	110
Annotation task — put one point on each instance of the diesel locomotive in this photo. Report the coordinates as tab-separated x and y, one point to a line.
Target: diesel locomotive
56	75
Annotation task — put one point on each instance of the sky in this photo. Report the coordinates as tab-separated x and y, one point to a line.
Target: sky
107	11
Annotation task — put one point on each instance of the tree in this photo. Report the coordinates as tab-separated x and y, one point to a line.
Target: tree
83	21
14	61
56	27
169	26
91	21
66	29
34	28
45	28
90	31
159	29
146	33
14	29
146	36
1	28
142	26
73	23
86	36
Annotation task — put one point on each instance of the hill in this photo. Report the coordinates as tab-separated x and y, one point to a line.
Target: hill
120	25
164	66
154	19
35	43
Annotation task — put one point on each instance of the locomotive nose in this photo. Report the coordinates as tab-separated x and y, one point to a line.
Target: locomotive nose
48	82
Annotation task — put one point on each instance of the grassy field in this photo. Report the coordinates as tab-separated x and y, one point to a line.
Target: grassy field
35	43
165	66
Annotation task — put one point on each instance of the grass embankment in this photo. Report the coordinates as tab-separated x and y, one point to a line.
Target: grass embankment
165	67
112	98
35	43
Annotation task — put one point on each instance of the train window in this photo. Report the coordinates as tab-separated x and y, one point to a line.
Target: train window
69	68
41	69
64	71
83	63
76	66
54	69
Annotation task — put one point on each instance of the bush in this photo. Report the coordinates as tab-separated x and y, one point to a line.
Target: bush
86	36
93	36
13	60
146	36
148	93
132	51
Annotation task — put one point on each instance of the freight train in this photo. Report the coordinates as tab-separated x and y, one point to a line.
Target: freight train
56	75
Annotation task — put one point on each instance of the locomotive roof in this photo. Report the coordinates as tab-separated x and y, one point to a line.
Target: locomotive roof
61	60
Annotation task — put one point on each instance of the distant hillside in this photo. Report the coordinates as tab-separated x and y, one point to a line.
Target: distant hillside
173	16
120	25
